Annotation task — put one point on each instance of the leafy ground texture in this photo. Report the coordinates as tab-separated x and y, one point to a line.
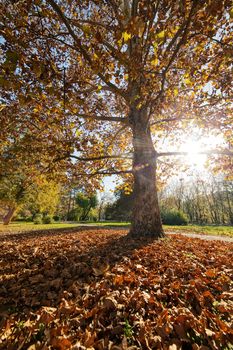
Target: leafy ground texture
99	289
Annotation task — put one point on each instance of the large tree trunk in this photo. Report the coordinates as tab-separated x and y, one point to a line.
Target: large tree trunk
146	220
9	215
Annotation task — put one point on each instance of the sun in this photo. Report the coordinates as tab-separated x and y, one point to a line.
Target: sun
195	147
194	157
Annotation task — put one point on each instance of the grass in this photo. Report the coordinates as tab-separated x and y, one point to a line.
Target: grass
30	226
207	230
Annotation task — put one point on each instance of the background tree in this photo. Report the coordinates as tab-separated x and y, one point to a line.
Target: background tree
12	195
205	200
43	197
86	203
121	209
104	201
132	68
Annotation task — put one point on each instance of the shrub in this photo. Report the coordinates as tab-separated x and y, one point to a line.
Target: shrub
93	215
174	217
47	219
74	214
56	218
38	219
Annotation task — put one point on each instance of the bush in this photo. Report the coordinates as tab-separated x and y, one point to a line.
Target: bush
47	219
56	218
93	215
74	214
38	219
174	217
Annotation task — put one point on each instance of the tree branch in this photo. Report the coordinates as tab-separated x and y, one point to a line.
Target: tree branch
166	120
106	172
99	117
86	159
82	50
176	51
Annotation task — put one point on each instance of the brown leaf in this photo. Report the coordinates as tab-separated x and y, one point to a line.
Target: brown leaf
100	271
61	343
109	303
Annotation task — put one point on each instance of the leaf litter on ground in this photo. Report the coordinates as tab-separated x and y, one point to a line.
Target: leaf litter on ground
100	289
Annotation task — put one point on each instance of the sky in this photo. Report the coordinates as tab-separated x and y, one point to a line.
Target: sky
196	163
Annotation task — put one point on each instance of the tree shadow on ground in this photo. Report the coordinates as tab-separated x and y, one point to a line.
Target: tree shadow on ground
21	235
41	268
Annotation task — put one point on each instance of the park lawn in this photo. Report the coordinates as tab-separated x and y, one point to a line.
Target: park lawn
21	226
101	289
198	229
206	230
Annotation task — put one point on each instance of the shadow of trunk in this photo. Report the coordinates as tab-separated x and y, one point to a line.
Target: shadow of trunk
40	268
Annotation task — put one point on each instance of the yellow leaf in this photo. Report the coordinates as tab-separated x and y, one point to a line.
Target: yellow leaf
99	87
95	56
176	92
139	105
155	45
86	29
161	34
2	106
187	81
126	36
155	61
231	13
119	42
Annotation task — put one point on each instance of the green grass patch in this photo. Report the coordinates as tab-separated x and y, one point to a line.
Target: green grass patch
206	230
21	226
30	226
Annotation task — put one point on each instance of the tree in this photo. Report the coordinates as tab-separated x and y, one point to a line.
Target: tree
205	200
20	191
12	194
43	197
86	203
100	78
121	209
104	202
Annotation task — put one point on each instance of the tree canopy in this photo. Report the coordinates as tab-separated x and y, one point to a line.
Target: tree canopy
90	86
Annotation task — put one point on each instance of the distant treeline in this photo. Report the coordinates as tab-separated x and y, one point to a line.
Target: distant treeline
198	201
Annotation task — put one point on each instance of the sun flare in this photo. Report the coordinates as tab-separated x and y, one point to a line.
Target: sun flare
194	157
195	146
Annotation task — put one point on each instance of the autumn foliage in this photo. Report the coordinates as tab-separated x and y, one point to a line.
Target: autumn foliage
100	289
91	87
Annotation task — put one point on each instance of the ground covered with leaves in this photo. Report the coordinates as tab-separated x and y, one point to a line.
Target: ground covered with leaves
99	289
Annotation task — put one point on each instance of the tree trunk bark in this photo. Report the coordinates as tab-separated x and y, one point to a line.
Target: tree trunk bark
146	220
9	215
